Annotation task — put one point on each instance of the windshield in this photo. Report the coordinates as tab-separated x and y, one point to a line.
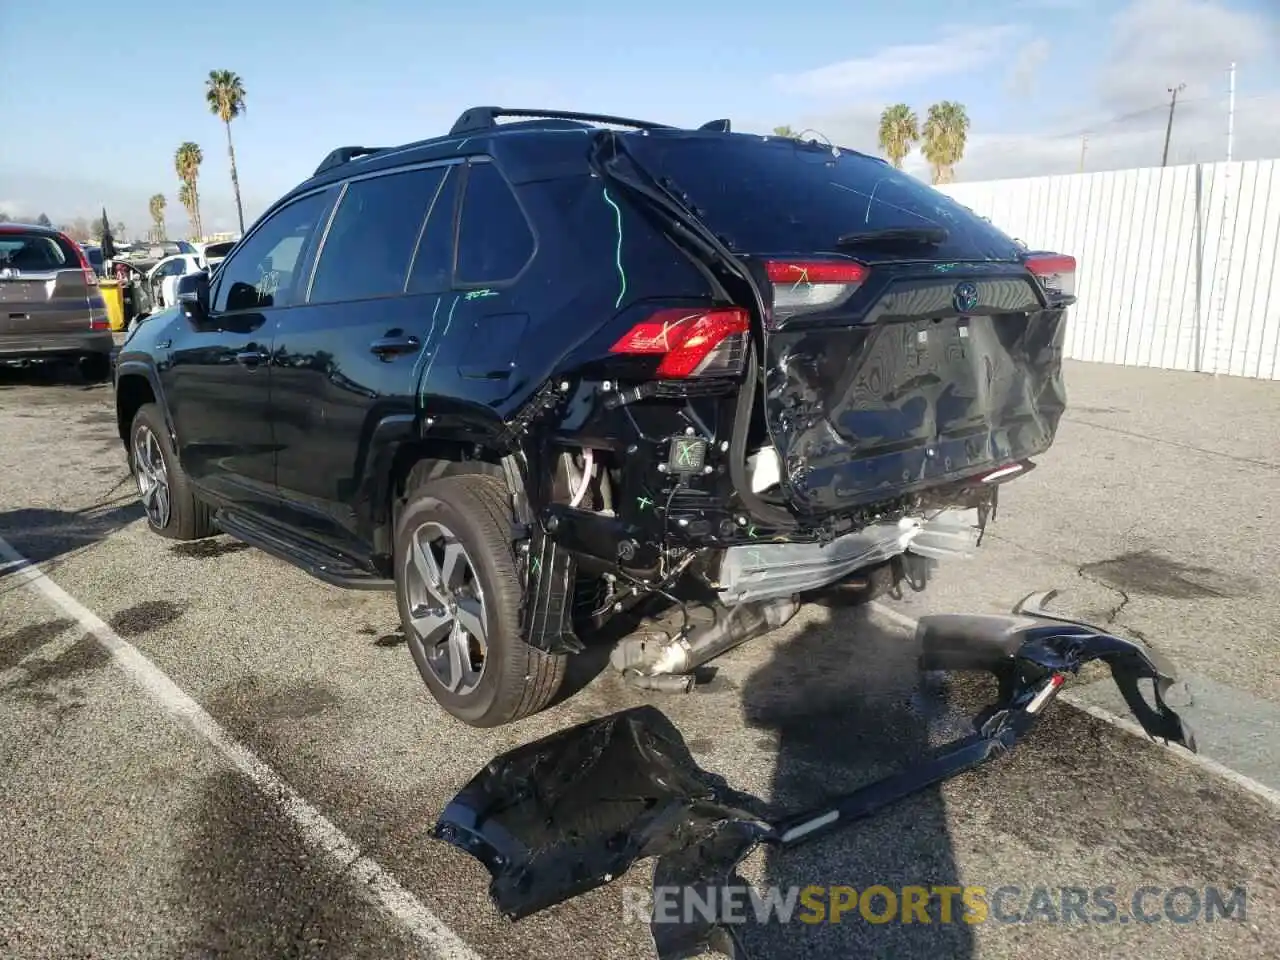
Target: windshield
781	196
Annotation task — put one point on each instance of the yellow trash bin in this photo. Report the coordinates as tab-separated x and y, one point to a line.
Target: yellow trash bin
114	297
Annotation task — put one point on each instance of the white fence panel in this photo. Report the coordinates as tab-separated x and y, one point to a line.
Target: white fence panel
1177	265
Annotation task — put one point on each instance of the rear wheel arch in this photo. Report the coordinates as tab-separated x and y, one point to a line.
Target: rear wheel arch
420	461
407	463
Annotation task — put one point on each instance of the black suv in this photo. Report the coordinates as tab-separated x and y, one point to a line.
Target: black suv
541	373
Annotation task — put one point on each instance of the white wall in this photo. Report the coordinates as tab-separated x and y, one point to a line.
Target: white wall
1146	298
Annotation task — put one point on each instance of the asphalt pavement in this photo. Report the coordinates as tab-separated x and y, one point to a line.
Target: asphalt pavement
207	753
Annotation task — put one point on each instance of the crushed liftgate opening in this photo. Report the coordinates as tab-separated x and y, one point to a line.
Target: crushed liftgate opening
571	812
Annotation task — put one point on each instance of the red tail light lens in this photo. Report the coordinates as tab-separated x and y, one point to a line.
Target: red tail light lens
90	275
805	286
1056	272
691	342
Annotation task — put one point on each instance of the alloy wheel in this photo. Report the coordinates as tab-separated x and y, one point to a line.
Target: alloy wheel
448	620
152	474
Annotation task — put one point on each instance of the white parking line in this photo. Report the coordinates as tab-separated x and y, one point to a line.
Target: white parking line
369	879
1209	765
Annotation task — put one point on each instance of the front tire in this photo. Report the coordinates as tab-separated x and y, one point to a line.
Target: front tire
459	596
172	509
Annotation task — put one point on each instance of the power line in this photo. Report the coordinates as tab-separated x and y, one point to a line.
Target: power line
1168	132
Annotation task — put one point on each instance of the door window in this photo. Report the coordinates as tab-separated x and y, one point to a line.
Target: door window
264	270
494	239
432	270
372	238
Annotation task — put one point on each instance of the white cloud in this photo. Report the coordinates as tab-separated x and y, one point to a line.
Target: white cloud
1022	75
958	50
1154	44
1158	44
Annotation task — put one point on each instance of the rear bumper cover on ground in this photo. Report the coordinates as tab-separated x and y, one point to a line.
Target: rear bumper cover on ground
569	813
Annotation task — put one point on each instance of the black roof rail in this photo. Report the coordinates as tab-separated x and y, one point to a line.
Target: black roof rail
337	158
478	119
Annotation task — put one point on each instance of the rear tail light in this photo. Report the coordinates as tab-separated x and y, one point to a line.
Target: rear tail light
806	286
691	342
1056	272
90	275
99	323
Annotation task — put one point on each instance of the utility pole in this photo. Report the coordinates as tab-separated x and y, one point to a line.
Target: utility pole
1084	145
1168	133
1231	110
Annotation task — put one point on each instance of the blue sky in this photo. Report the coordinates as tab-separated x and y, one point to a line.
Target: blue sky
321	74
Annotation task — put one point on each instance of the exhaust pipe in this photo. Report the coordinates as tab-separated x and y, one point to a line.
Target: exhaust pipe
644	660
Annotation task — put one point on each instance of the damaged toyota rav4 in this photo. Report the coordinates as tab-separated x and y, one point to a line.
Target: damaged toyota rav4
564	369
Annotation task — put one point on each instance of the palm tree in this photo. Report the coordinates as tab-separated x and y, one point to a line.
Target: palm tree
186	161
945	133
899	130
156	205
225	95
186	198
784	131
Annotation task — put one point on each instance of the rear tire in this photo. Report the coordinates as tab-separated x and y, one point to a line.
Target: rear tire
172	509
459	596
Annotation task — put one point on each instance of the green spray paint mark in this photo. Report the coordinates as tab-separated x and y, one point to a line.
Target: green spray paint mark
645	503
478	294
622	273
444	333
426	353
426	347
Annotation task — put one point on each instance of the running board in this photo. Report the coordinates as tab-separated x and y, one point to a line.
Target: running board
307	555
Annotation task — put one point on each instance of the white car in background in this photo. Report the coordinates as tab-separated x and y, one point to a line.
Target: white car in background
215	252
162	279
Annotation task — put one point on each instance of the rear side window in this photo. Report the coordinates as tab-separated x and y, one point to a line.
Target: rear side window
373	235
34	253
781	196
263	270
494	238
432	270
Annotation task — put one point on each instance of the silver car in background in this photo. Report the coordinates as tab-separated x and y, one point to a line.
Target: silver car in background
51	307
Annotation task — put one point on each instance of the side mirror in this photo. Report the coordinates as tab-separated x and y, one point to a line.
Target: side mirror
193	296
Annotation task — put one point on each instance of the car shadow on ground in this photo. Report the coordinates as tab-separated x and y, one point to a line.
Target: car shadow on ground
66	376
844	704
43	535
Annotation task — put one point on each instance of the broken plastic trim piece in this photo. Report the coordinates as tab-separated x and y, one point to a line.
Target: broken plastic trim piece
571	812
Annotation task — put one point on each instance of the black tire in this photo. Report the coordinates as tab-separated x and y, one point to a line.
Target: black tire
187	517
517	680
95	367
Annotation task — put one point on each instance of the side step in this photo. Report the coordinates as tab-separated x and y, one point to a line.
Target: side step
319	561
